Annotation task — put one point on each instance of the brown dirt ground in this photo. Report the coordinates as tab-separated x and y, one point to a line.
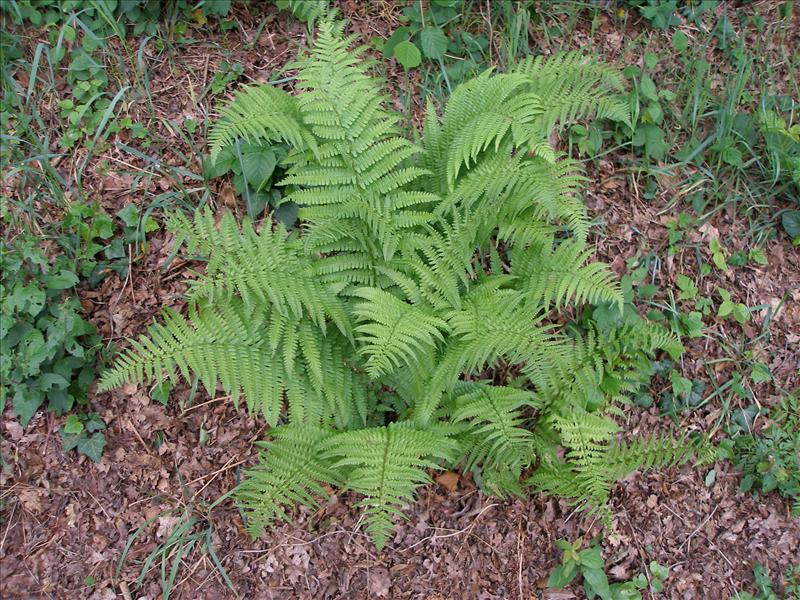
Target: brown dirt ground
64	517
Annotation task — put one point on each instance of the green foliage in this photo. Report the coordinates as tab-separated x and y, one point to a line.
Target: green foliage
590	565
371	334
765	586
307	11
102	17
255	169
83	433
770	460
193	532
438	33
47	351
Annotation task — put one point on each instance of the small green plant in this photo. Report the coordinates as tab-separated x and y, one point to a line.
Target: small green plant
436	32
770	459
192	532
415	265
765	586
307	11
226	74
83	432
255	168
590	566
47	351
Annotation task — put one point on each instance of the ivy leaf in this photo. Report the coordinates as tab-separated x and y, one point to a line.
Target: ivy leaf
434	42
94	423
73	425
407	54
92	446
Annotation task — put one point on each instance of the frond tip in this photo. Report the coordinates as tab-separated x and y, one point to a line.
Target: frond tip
386	464
291	471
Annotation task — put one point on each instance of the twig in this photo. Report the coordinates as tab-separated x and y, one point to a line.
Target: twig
459	532
699	527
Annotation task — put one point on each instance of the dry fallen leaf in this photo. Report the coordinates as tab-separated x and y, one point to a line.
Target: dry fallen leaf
448	480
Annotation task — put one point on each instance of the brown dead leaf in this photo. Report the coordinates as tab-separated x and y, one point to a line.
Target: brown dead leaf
448	480
31	499
379	582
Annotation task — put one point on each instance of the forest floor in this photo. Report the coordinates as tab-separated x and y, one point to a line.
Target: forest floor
66	520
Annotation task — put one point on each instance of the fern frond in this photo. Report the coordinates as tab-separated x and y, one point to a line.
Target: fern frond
495	440
261	114
225	343
291	470
572	85
386	464
394	332
656	452
262	268
555	276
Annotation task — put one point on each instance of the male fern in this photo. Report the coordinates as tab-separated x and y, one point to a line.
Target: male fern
370	335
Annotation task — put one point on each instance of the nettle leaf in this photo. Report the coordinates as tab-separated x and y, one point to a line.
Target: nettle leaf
434	42
562	575
596	581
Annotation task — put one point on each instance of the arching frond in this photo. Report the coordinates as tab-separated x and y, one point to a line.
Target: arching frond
555	276
261	114
290	471
394	332
386	464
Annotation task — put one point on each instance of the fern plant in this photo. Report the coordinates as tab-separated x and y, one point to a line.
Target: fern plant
377	337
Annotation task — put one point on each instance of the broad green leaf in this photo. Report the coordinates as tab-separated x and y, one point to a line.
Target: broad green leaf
591	558
26	402
408	55
562	575
725	308
129	215
434	42
791	223
680	41
61	281
659	571
596	580
741	313
92	446
400	35
259	164
73	425
760	373
648	88
757	256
